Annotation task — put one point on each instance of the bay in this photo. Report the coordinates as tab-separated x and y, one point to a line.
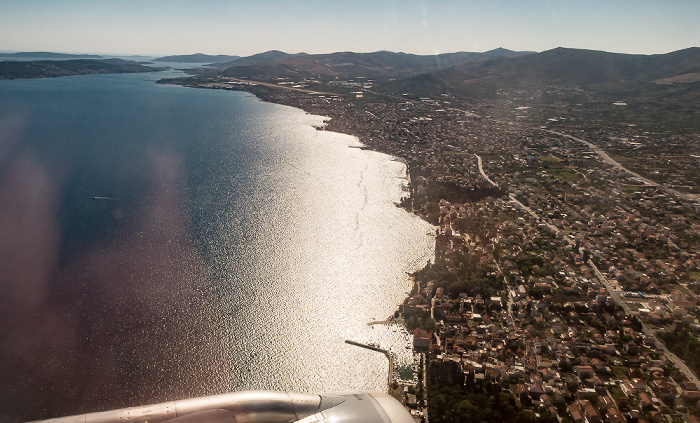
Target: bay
160	242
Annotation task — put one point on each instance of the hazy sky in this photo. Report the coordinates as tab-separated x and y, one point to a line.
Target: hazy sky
159	27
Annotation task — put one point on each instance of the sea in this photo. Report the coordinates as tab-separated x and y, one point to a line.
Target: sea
159	242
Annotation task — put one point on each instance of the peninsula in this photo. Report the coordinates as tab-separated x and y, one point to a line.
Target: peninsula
47	55
57	68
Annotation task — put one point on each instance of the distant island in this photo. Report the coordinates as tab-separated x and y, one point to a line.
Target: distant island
56	68
49	55
197	58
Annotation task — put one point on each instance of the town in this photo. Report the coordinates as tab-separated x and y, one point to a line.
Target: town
566	275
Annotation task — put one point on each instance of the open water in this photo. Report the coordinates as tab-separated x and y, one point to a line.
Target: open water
160	242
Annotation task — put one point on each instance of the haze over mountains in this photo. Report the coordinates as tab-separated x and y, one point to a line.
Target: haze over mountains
69	67
463	74
349	64
594	70
48	55
197	58
476	74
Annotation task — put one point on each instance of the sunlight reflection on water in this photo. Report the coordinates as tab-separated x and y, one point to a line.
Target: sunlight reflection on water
239	249
333	253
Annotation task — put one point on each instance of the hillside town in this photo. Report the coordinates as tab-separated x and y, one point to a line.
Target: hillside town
566	270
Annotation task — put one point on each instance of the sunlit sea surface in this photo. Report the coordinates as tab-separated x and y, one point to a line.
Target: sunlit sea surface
160	242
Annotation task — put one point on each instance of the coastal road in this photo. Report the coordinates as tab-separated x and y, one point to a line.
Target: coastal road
645	329
607	159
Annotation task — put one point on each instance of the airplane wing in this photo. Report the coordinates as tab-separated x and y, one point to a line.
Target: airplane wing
259	407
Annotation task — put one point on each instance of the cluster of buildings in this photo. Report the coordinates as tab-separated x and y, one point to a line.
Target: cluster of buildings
553	274
555	335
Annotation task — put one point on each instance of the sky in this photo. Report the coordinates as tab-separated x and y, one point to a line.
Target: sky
235	27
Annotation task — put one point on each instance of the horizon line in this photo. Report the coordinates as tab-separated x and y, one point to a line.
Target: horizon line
3	51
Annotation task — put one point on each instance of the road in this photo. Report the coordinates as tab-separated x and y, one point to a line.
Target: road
611	290
645	329
512	197
607	159
614	294
616	297
533	214
425	387
481	170
511	295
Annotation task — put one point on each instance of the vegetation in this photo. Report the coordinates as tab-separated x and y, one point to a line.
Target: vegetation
452	397
418	319
55	68
685	345
471	277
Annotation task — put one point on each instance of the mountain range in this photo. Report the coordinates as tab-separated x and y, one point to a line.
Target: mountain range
480	75
351	65
561	67
461	74
47	55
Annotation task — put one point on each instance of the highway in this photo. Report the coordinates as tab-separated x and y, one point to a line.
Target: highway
646	330
611	290
607	159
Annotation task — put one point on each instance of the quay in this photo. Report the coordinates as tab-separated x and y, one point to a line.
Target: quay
387	353
380	322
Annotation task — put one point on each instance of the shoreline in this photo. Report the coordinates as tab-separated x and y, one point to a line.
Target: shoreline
443	152
336	121
333	122
406	187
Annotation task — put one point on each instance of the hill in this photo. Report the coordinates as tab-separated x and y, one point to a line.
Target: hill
49	55
55	68
276	64
561	67
271	56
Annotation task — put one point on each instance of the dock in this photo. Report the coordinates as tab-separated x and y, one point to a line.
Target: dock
380	322
387	353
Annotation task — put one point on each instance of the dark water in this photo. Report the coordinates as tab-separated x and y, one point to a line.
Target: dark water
160	242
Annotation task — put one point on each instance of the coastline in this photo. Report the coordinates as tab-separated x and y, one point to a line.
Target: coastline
335	121
230	364
496	238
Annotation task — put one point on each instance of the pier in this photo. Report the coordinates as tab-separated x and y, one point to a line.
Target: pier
387	353
380	322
